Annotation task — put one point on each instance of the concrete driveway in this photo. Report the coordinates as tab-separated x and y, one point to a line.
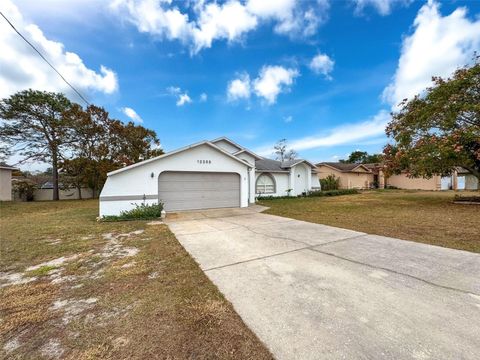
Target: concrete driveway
312	291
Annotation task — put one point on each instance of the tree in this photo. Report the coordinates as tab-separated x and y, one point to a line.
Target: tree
362	157
74	174
439	130
35	128
104	144
282	153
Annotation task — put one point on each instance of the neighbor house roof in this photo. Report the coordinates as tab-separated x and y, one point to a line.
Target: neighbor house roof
7	167
279	166
205	142
344	167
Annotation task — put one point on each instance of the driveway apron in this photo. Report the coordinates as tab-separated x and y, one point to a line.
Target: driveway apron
312	291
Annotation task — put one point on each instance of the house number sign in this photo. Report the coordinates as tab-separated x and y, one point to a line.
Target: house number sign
204	161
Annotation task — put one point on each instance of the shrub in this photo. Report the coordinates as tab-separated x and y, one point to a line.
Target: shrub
333	192
470	198
330	183
140	212
319	193
24	189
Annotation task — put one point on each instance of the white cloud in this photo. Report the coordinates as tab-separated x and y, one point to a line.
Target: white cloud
438	45
383	7
150	16
273	80
322	64
345	134
132	114
341	135
288	119
229	20
174	90
182	96
239	88
183	99
203	97
22	68
291	19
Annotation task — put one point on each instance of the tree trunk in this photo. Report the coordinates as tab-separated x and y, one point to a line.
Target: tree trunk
79	188
55	175
475	172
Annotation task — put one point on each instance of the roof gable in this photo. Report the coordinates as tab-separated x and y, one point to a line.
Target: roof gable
240	148
345	167
208	143
227	140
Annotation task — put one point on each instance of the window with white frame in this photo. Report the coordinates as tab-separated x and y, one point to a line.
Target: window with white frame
265	184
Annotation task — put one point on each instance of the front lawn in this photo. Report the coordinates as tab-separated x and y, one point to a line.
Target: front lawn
422	216
74	288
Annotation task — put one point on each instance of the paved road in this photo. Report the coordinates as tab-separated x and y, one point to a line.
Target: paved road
312	291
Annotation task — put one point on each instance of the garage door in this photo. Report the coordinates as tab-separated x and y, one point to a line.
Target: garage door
198	190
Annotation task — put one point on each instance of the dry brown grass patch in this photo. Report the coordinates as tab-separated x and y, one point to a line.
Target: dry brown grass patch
25	305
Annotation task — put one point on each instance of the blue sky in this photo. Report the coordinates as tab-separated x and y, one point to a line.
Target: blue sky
322	74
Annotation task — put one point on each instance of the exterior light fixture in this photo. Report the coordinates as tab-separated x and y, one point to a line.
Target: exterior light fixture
152	175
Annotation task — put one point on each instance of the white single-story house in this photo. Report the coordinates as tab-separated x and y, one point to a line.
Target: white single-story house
209	174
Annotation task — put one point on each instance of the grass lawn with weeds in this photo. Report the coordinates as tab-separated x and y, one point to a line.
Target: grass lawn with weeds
76	289
423	216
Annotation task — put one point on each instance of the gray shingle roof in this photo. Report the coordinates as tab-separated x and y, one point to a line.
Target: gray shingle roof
278	166
269	165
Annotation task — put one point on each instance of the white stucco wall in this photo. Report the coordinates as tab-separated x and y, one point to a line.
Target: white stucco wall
137	181
302	178
227	146
281	183
290	180
247	157
5	185
315	181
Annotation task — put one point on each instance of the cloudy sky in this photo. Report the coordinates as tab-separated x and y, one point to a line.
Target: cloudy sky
324	74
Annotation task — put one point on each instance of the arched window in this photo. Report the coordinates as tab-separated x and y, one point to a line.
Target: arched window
265	184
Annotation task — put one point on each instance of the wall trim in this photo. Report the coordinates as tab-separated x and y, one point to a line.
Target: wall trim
129	197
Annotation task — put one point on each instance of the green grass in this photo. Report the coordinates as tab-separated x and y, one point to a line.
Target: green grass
422	216
155	304
41	271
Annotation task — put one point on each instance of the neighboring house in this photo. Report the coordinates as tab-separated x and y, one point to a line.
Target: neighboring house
6	182
45	192
365	176
461	179
351	176
209	174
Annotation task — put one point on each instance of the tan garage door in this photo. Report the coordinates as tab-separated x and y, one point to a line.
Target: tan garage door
198	190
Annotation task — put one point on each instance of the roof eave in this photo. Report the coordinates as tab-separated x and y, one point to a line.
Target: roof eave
185	148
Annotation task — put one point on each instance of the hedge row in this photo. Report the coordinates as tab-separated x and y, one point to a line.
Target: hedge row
140	212
313	194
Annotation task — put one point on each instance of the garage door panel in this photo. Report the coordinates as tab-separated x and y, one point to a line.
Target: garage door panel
200	195
174	186
197	190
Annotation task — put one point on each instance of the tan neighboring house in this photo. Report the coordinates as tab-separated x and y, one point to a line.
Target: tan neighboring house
352	176
367	176
6	182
